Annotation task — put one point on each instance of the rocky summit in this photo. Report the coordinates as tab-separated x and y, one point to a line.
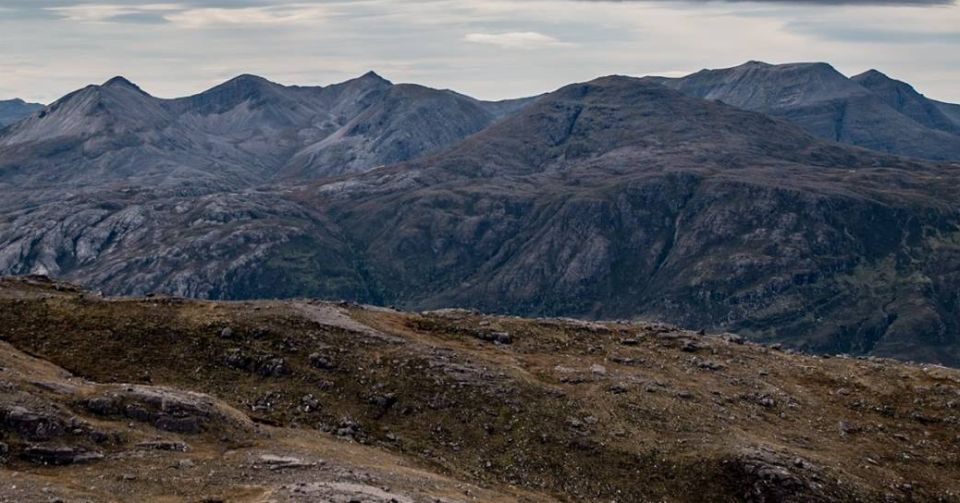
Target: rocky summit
168	399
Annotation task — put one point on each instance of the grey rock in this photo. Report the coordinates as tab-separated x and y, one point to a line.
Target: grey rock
33	424
766	476
184	464
164	445
54	455
618	389
321	362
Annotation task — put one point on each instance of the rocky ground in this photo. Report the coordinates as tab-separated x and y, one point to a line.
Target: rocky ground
165	399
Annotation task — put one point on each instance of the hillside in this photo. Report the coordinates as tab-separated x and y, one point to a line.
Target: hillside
312	401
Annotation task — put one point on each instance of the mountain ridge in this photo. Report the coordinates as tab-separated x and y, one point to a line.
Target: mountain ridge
828	104
244	131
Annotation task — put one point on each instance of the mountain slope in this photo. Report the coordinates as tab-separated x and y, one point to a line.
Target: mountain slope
310	401
407	121
16	109
824	102
950	110
245	132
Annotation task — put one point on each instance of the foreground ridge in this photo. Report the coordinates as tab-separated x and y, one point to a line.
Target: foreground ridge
312	401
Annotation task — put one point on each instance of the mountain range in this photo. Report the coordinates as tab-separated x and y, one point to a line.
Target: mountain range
733	200
242	133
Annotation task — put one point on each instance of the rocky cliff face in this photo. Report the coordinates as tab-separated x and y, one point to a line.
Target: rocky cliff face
617	198
869	110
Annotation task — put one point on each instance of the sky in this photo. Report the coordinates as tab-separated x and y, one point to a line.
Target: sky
490	49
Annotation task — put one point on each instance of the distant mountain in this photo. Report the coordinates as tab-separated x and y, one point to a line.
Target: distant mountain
903	98
869	110
243	133
405	122
14	110
616	198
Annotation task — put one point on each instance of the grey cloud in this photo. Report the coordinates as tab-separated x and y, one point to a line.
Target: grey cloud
825	3
857	34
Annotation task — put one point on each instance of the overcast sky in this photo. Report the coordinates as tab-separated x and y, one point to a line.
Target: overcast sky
485	48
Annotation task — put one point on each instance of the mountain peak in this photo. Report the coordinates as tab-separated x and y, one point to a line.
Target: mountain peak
873	74
247	83
372	75
370	79
875	80
248	78
904	98
122	83
234	91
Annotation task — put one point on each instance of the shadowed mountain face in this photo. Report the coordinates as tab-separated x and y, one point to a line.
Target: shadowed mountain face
616	198
869	110
245	132
14	110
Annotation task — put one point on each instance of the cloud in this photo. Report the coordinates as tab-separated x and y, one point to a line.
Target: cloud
516	40
875	35
824	3
106	12
192	14
213	16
